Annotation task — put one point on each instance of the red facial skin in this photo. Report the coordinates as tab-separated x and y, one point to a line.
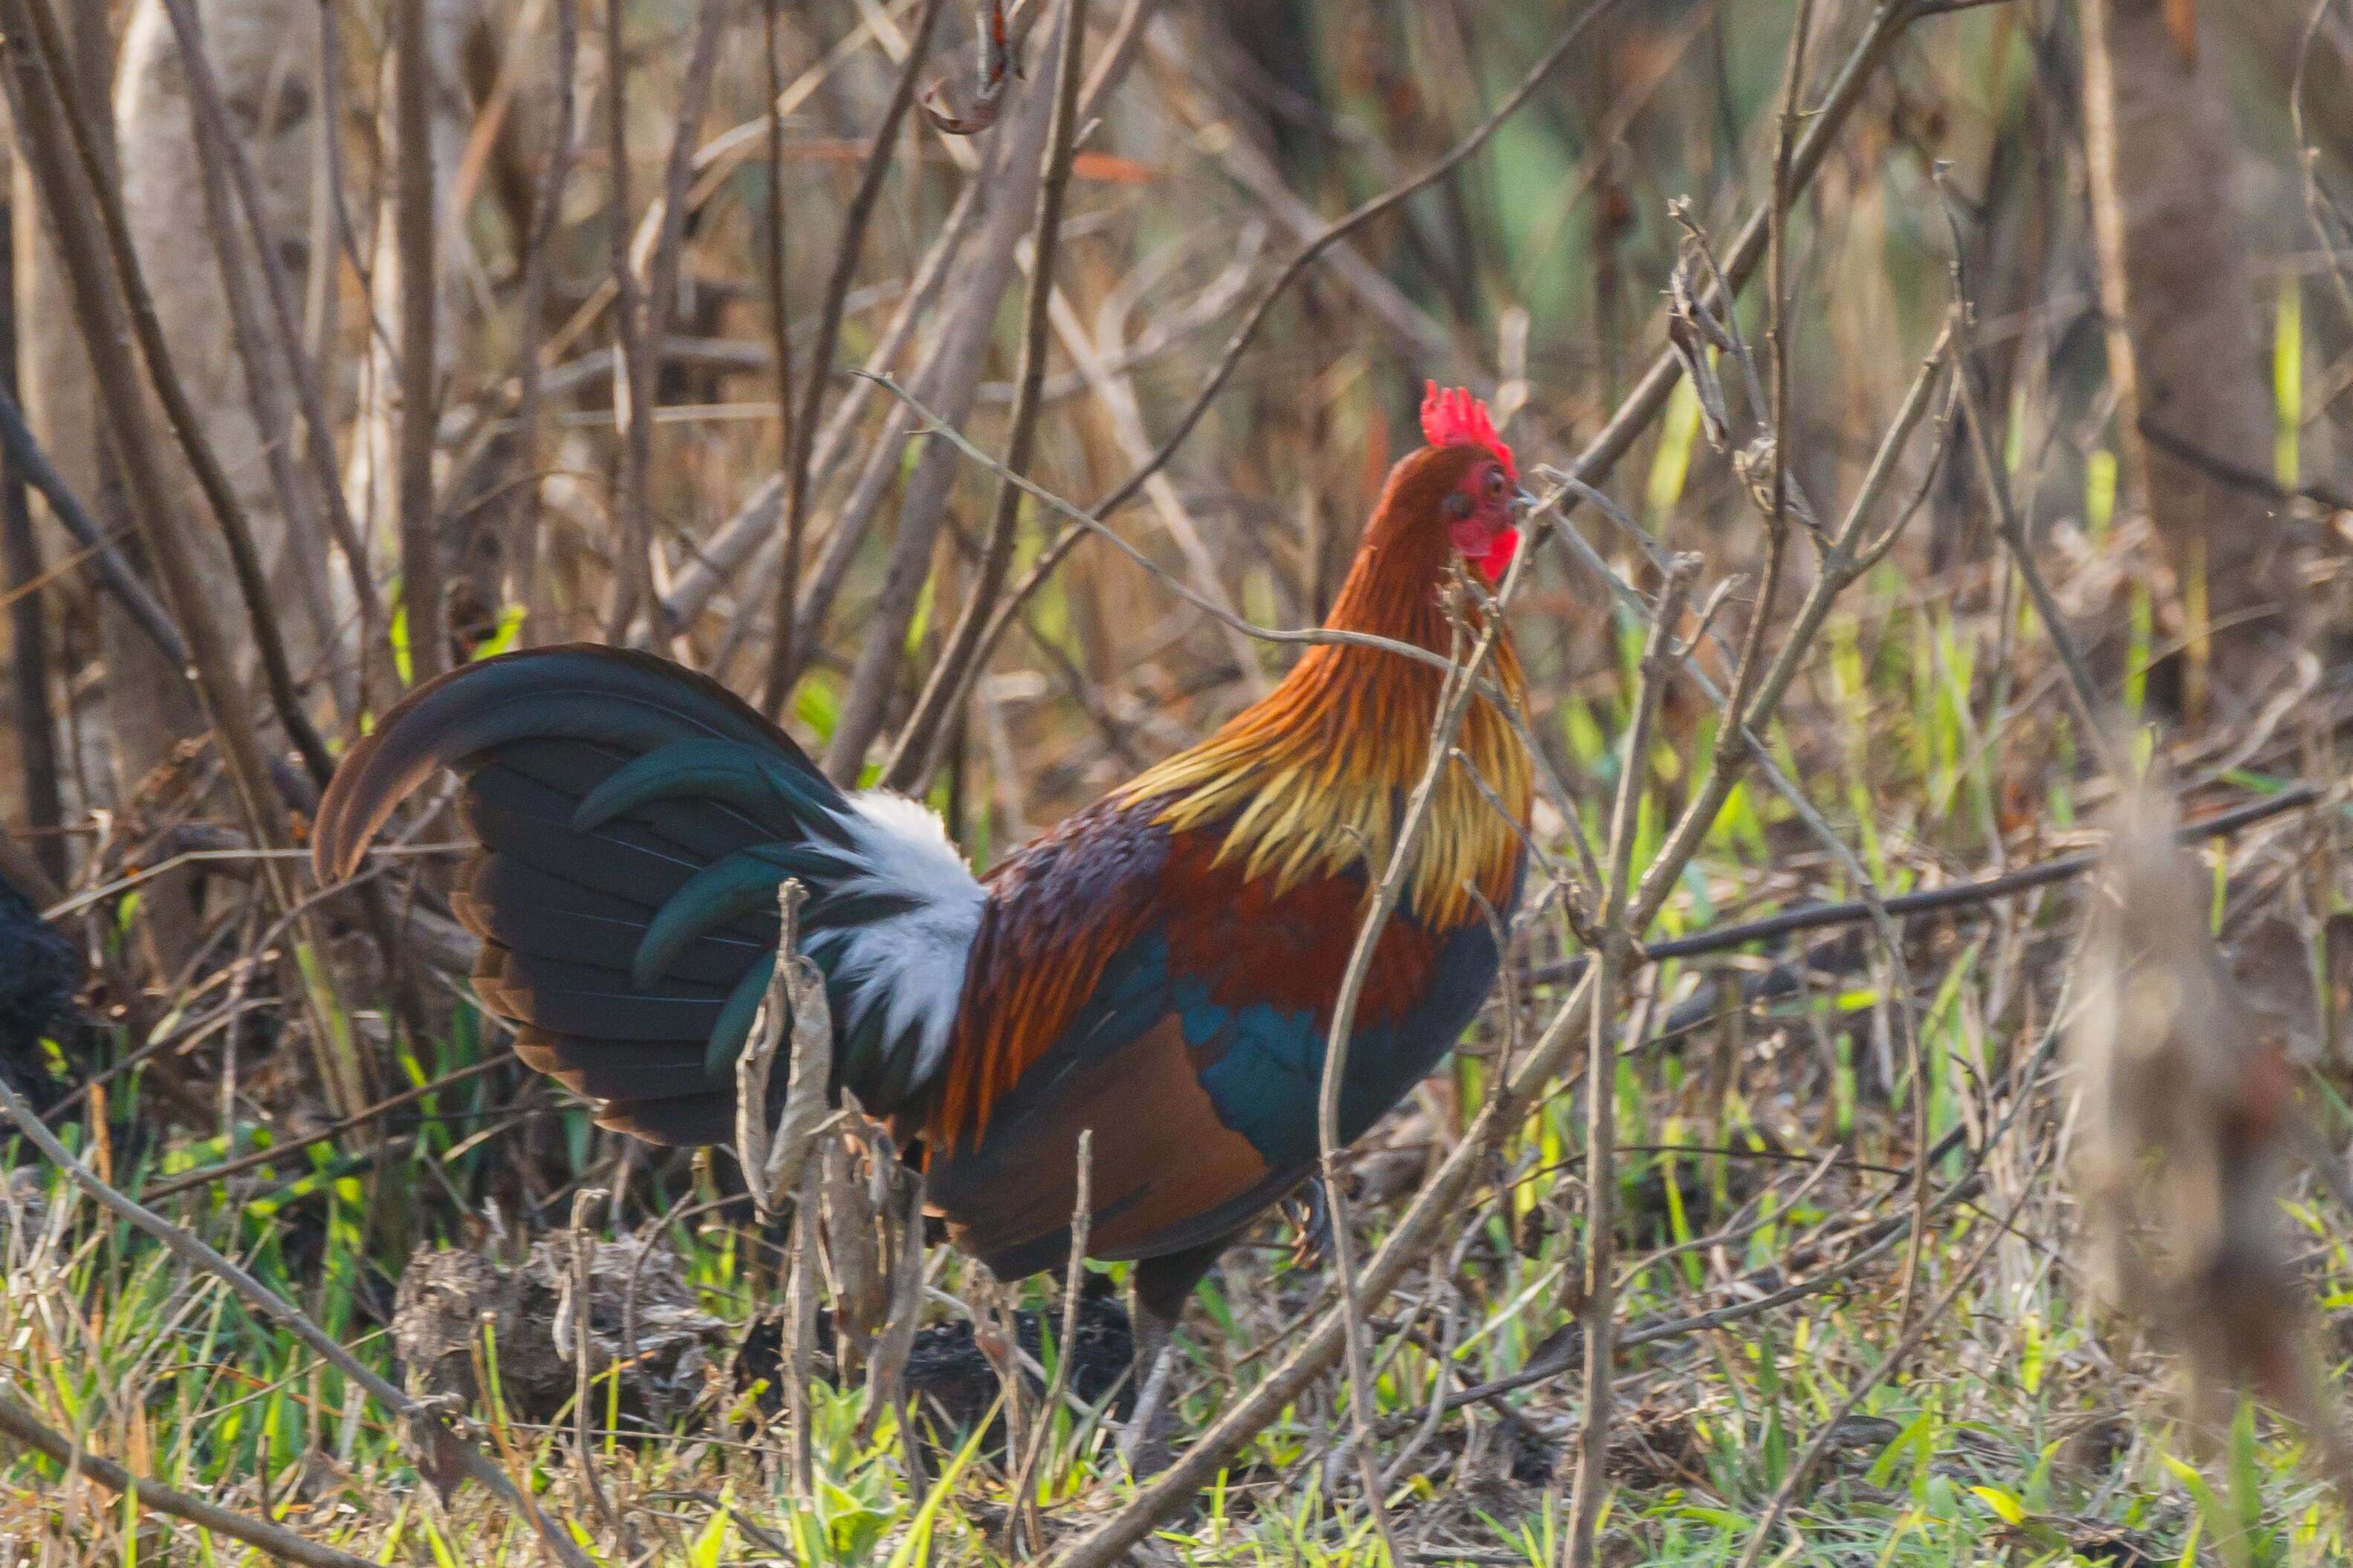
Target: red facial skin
1479	519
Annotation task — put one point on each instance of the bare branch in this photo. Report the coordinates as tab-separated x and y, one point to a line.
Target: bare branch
1600	1303
917	741
783	659
420	268
20	1425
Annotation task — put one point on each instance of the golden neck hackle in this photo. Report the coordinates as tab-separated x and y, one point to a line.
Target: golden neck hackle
1314	776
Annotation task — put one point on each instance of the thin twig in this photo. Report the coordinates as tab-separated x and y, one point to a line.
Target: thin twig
583	1264
29	633
783	652
1082	1209
918	739
647	326
24	456
216	141
1461	689
2081	686
539	262
1601	1306
780	325
633	378
415	226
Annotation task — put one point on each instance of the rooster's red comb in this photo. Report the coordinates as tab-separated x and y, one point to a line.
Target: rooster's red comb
1454	418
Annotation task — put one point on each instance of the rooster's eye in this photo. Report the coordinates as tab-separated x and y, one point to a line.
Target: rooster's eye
1495	483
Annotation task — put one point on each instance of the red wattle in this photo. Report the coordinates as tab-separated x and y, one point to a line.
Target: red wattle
1500	549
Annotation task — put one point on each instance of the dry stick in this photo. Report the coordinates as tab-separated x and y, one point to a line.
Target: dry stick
1777	317
801	1337
318	424
1051	556
273	421
1118	55
1958	895
1601	1306
1840	555
331	111
783	652
780	328
245	562
539	261
1778	305
1776	217
633	381
1425	1221
20	551
322	289
653	325
1024	1515
584	1262
919	740
36	78
705	574
449	1450
415	221
23	456
19	1423
1457	694
959	342
2081	688
1779	1502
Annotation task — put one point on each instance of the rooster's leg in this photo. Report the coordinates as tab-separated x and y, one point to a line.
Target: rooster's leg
1163	1286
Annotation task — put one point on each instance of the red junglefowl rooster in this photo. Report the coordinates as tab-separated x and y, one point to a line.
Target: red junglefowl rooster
1161	967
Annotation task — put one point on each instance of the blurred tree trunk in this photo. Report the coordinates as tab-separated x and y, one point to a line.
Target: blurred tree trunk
130	722
150	709
2178	299
264	53
454	28
33	732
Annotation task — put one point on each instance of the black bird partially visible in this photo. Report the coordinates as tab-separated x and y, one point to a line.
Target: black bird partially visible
40	974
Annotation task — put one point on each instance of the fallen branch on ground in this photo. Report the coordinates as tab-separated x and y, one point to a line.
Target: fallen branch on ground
21	1424
1959	895
443	1456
